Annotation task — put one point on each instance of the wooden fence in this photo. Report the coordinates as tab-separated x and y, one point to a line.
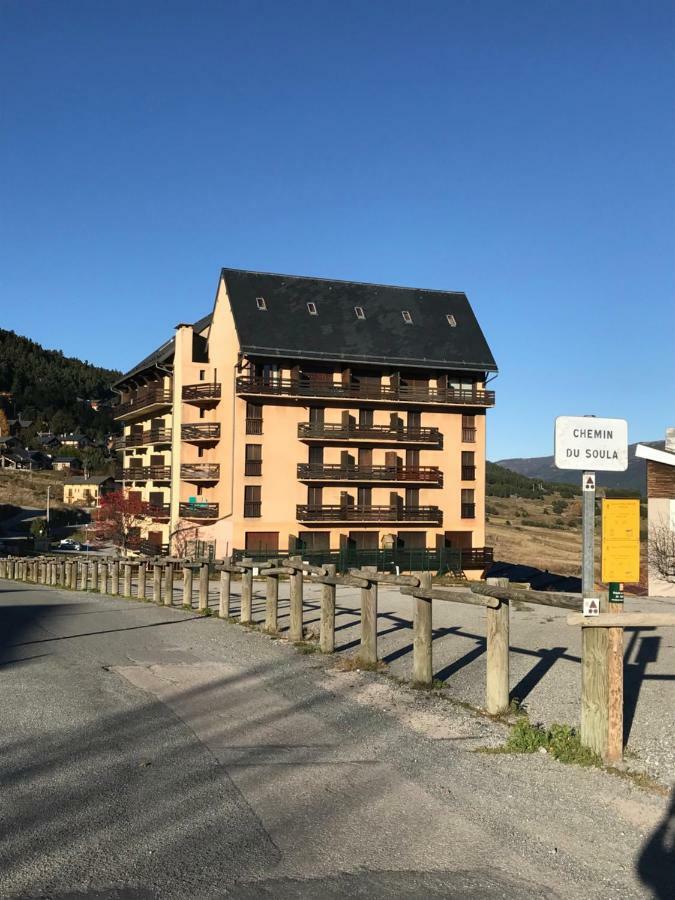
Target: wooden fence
601	663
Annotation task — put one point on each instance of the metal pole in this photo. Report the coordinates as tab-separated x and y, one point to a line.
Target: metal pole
49	487
588	529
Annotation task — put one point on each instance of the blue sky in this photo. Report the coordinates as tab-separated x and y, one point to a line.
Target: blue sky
519	151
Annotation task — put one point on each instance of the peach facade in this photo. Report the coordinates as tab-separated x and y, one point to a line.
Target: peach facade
235	459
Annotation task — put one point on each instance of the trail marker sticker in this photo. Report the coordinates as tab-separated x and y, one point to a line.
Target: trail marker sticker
587	442
589	481
591	606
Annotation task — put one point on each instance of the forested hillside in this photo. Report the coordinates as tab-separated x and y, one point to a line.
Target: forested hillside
51	389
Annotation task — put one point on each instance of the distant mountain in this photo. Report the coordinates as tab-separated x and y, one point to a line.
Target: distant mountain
542	467
52	391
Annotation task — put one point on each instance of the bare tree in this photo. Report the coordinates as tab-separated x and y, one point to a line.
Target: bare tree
661	550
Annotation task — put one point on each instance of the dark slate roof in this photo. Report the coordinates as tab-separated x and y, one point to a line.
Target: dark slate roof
286	329
163	354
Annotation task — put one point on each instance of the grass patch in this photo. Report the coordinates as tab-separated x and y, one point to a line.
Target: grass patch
562	742
306	647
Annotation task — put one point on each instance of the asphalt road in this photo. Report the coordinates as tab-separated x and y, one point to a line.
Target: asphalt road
149	753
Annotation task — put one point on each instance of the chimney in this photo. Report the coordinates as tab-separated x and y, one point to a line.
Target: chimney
670	440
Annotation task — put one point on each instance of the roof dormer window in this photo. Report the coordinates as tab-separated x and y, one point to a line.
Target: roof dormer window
452	321
407	318
312	310
260	303
360	313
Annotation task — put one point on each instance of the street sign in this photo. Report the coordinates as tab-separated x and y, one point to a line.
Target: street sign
620	540
615	592
591	606
587	442
589	481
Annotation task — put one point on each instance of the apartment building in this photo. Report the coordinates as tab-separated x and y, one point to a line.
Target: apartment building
311	414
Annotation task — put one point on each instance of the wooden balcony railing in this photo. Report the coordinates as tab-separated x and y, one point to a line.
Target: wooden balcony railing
341	513
252	509
374	434
144	473
468	510
468	473
291	387
469	435
198	510
159	511
200	431
253	467
204	391
254	426
200	471
142	438
338	472
142	400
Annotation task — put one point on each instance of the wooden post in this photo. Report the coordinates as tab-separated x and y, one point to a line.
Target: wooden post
168	585
327	629
246	610
272	601
156	583
422	635
72	573
594	686
103	578
225	580
127	579
140	585
296	624
115	578
497	639
204	586
83	575
187	586
368	651
93	572
614	752
62	573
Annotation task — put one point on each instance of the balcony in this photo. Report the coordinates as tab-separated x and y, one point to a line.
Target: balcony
198	510
142	401
200	432
200	472
468	510
143	438
468	473
387	394
318	432
159	511
369	514
144	473
428	475
202	393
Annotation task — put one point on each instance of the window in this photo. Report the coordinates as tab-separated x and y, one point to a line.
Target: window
468	503
254	419
314	497
452	322
468	465
252	501
313	540
469	429
407	318
253	460
260	303
316	415
202	374
360	314
312	310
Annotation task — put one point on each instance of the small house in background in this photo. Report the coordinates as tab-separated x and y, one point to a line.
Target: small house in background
81	491
49	441
660	515
79	441
66	464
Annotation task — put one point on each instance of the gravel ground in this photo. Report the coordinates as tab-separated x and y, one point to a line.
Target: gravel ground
147	752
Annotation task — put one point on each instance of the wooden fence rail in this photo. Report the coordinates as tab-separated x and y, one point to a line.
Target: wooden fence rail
601	712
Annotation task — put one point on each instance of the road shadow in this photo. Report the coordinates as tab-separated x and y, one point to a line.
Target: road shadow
656	864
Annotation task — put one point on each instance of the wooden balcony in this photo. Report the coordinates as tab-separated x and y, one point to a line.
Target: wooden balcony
377	435
142	402
159	512
143	438
363	392
200	432
144	473
202	394
326	474
370	514
200	472
198	510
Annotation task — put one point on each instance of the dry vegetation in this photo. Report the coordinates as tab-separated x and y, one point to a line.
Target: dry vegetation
23	488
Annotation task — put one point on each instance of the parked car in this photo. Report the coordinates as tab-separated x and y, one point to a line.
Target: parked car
68	544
